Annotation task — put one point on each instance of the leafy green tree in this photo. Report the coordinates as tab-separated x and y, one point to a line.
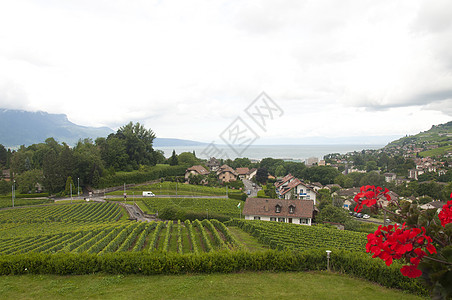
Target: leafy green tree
26	182
371	166
138	142
3	156
322	174
262	175
113	152
88	161
173	161
5	187
334	214
70	186
280	171
159	157
187	158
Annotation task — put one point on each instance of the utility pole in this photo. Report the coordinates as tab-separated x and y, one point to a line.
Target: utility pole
13	191
78	187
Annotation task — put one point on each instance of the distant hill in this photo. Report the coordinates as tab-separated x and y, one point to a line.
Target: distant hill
19	127
436	141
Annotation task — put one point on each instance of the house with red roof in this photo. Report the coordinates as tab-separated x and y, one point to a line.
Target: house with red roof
242	172
296	211
227	174
195	170
297	189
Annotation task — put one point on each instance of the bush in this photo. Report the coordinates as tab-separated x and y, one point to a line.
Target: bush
148	263
238	196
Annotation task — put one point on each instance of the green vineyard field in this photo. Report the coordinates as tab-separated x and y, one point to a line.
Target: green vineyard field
96	228
284	236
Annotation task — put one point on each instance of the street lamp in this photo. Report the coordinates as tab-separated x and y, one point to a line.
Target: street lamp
328	258
78	187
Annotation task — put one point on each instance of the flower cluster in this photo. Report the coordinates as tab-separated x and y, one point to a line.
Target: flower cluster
445	216
369	195
394	242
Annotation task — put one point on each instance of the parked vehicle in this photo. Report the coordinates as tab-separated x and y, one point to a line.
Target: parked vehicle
359	215
366	216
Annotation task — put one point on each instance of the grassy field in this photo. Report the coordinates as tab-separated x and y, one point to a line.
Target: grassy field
260	285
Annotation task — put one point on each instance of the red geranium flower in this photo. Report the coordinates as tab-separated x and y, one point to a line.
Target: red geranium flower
411	271
394	242
369	195
445	215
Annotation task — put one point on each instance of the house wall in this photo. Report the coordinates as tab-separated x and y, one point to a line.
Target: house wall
301	192
299	221
227	176
187	174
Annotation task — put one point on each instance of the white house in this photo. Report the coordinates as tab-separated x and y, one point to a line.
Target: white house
296	211
296	189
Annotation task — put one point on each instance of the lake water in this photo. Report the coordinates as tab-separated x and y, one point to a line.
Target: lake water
289	152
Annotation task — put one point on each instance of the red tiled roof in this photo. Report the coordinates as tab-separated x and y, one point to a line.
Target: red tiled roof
226	168
284	180
242	171
267	207
199	169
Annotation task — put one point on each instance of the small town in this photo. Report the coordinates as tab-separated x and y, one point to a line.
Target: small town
226	149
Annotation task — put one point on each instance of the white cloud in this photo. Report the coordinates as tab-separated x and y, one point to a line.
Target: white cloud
187	69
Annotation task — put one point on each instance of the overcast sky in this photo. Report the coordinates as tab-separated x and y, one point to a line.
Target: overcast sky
187	69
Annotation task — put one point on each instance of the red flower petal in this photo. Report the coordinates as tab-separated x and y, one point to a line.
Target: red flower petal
410	271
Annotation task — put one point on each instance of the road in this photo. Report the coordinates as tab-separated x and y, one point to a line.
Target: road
249	187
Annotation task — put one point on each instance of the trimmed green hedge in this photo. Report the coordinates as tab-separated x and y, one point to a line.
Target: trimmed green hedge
238	196
148	263
156	172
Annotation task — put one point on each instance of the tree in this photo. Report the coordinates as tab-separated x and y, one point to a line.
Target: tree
173	161
3	156
138	143
5	187
187	158
334	214
27	181
69	186
280	171
261	175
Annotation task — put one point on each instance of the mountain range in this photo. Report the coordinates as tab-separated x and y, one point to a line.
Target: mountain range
19	127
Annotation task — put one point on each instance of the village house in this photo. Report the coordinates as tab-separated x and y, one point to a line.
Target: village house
390	177
296	211
242	173
296	189
252	173
284	181
213	164
195	170
438	205
226	174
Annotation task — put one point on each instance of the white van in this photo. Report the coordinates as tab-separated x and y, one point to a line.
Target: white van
148	194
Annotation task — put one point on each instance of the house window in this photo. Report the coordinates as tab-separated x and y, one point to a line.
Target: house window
291	209
303	221
257	218
278	208
281	220
272	219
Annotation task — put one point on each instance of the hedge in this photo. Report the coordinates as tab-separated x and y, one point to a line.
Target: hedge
156	172
148	263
